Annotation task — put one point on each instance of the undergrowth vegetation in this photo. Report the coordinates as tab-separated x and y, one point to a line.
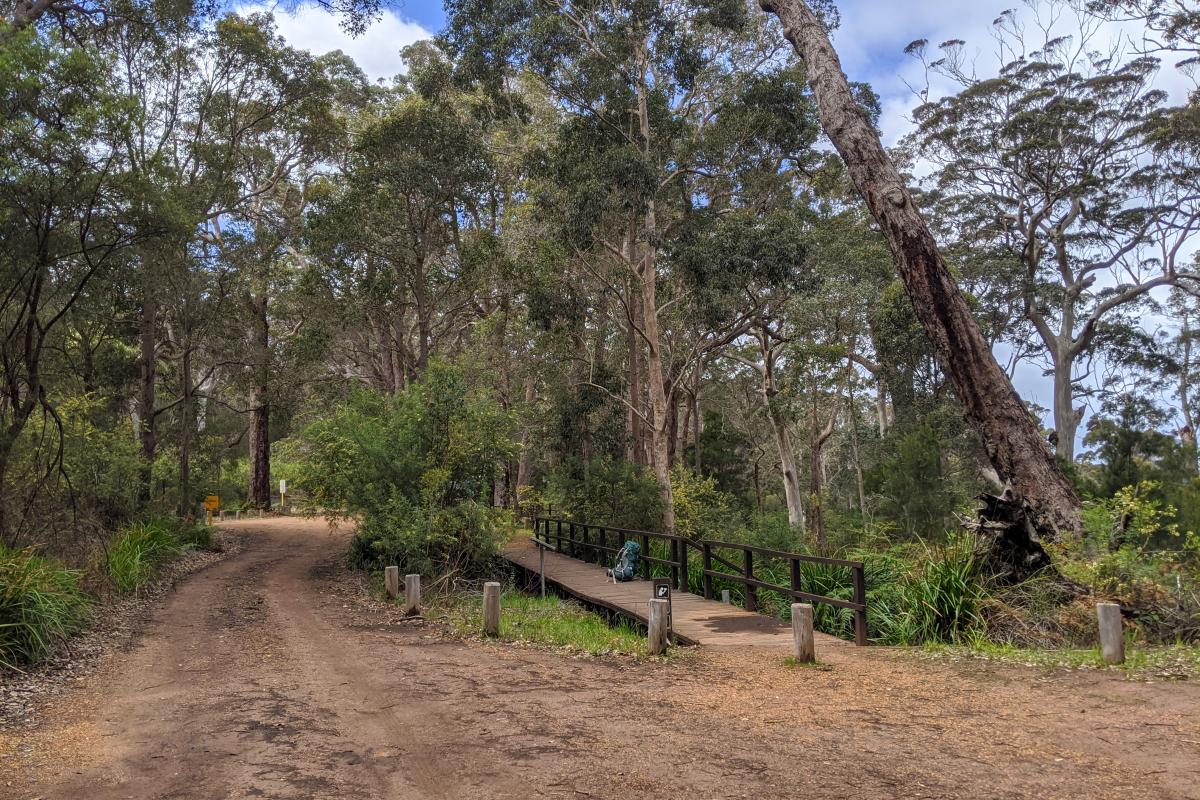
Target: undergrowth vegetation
546	622
41	603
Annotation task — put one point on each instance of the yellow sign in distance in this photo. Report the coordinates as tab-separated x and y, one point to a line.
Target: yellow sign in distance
212	502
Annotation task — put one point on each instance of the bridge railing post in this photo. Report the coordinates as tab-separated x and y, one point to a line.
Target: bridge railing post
706	556
751	598
860	614
645	556
674	551
683	566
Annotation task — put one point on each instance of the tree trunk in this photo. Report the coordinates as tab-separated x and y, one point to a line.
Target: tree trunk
816	477
660	441
783	440
187	425
672	422
525	462
634	450
758	490
1187	434
1066	417
695	401
881	405
1012	440
147	374
259	491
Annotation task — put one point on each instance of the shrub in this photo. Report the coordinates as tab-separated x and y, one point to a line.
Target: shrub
702	510
417	469
460	539
40	604
138	549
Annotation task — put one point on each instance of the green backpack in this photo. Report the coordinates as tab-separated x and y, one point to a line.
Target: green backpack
627	562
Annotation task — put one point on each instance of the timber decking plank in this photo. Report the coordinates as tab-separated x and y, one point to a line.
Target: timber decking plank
694	619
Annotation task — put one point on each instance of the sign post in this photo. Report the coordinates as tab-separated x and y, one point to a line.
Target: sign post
662	591
211	504
282	495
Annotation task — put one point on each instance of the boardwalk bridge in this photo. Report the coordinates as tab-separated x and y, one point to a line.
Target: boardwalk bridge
572	556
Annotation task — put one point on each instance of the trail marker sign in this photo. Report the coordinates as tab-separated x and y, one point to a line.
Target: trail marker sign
212	502
662	591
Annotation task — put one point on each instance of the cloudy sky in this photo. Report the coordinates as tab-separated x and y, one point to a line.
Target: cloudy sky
871	42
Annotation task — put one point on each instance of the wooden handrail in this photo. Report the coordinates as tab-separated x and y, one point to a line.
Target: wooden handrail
742	573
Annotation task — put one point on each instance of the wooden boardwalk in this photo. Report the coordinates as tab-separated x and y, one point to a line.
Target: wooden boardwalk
694	619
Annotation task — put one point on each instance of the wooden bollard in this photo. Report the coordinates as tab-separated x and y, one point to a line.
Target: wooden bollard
391	582
656	627
804	645
725	597
412	594
491	609
1112	635
237	515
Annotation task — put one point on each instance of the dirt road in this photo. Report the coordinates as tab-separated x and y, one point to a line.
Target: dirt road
266	676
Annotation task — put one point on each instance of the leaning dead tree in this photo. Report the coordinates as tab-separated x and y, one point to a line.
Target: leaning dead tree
1040	502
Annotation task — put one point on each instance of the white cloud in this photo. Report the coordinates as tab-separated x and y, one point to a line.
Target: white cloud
377	50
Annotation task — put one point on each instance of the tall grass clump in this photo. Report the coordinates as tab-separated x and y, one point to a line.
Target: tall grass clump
41	603
938	600
138	550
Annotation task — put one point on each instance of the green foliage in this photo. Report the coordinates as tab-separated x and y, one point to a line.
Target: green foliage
618	494
138	550
41	603
916	491
941	600
724	450
418	468
104	463
702	511
428	539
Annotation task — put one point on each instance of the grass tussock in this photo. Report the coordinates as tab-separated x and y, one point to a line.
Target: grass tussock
546	622
142	547
41	603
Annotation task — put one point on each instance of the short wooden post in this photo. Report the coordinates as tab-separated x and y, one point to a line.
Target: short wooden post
491	609
805	647
391	581
208	516
656	628
412	594
1112	635
237	515
725	597
542	569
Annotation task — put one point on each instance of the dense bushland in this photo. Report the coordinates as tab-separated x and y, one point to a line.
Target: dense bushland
416	469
